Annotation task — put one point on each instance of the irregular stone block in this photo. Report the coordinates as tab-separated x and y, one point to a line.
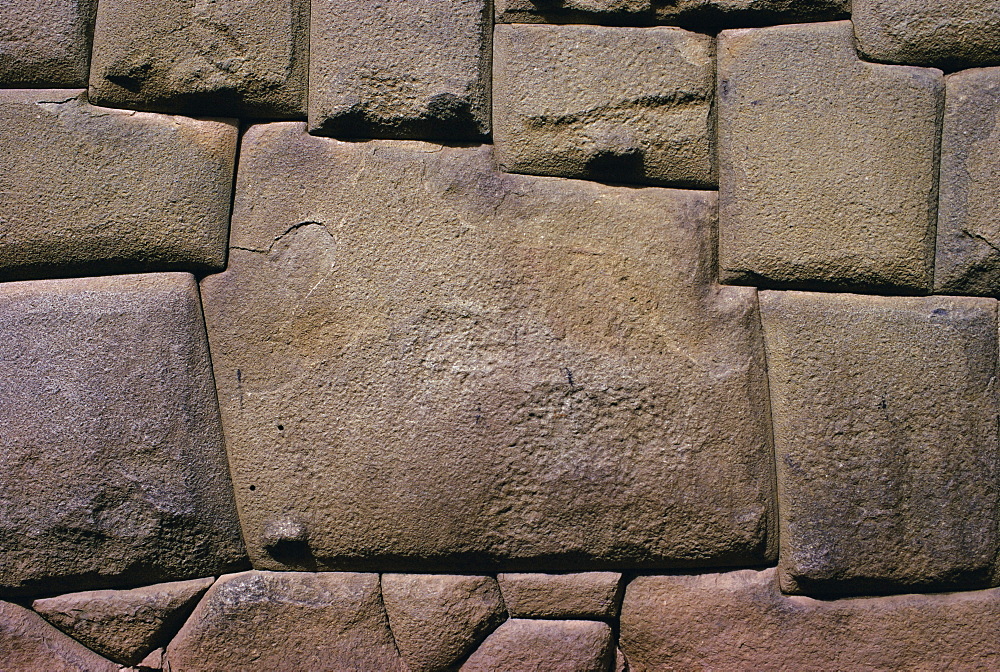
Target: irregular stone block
968	234
885	431
606	12
702	14
740	621
114	469
583	595
45	42
86	189
322	622
947	33
385	69
524	644
827	164
438	619
428	364
124	625
616	104
214	57
29	644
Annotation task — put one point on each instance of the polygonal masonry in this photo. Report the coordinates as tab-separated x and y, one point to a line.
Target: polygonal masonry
577	595
527	644
45	42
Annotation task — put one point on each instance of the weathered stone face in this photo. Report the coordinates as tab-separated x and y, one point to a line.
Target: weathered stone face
45	42
827	164
616	104
102	191
707	13
579	595
525	644
29	644
385	69
424	363
885	431
112	464
574	11
218	57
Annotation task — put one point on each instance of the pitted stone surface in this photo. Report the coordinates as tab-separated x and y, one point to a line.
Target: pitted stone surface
885	431
435	365
580	595
29	644
85	189
740	621
385	69
113	465
321	622
827	164
45	42
968	232
215	57
522	645
124	625
615	104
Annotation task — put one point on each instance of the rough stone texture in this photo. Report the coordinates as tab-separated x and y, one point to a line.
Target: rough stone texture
612	12
287	621
582	595
101	191
968	233
885	431
424	363
616	104
438	619
386	69
739	621
524	645
45	42
29	644
218	57
827	164
112	464
946	33
124	625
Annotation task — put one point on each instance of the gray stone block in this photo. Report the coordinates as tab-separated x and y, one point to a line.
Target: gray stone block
45	42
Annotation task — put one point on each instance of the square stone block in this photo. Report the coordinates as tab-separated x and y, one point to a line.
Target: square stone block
45	42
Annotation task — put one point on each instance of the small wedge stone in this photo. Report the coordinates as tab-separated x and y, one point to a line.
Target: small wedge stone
522	645
581	595
45	43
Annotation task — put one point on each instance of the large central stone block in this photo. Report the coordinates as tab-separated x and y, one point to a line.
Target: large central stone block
424	363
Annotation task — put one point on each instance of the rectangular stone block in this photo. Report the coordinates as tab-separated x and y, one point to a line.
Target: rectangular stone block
385	69
427	364
627	105
233	58
45	42
112	464
885	431
827	164
600	12
702	14
86	189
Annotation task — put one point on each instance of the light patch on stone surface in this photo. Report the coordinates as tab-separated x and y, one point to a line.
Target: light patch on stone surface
45	42
827	164
630	105
435	365
579	595
563	646
885	431
29	644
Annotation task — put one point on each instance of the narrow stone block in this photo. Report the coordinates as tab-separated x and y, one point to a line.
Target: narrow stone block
614	104
525	644
29	644
45	42
580	595
427	364
114	469
968	232
827	164
90	190
702	14
885	431
386	69
231	58
600	12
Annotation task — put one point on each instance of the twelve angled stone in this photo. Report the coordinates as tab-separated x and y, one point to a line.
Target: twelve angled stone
524	644
424	363
45	42
29	644
827	164
85	189
885	431
581	595
217	57
386	69
616	104
112	465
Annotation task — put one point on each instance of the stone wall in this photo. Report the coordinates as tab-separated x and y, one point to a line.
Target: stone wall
552	335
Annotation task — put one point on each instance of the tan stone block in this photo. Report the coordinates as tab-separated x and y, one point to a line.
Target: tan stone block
227	58
321	622
740	621
29	644
425	363
701	14
885	431
45	42
521	645
580	595
386	69
968	233
604	12
86	189
615	104
114	468
827	164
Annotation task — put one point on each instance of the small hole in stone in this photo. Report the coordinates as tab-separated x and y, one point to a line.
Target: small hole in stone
252	488
281	428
